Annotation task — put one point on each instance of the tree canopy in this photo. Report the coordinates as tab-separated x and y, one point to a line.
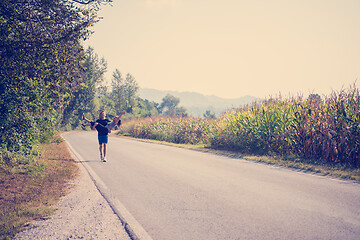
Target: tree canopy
169	106
40	64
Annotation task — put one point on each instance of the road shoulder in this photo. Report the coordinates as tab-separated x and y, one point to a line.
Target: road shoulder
82	214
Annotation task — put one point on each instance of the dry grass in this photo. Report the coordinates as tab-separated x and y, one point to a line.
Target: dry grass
30	195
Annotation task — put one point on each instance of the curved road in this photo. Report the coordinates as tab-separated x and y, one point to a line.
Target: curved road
175	193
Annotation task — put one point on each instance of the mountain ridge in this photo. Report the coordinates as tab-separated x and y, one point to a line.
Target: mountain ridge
197	104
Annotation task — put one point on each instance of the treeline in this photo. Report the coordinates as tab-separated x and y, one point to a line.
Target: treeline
327	130
47	78
121	95
94	95
41	65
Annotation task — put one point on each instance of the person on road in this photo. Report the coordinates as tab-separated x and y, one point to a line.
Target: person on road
115	122
104	127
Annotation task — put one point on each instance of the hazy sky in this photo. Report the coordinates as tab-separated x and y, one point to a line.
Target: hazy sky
233	48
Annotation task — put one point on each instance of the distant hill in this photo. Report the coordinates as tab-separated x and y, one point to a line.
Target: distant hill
196	104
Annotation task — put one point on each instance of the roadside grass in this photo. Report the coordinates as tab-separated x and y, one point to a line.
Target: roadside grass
305	165
30	191
310	166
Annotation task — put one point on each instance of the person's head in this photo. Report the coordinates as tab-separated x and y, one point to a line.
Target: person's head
119	123
102	115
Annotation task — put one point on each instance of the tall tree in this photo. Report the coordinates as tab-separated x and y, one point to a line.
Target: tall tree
117	94
83	100
123	91
130	89
208	114
144	108
170	105
40	53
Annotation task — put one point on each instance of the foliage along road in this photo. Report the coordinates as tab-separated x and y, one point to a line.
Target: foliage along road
174	193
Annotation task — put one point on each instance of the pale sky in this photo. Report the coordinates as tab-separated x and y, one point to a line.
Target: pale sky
233	48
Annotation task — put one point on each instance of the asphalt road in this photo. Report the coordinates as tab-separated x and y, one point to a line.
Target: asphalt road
175	193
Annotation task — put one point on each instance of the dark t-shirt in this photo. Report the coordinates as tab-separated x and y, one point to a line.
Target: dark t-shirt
102	130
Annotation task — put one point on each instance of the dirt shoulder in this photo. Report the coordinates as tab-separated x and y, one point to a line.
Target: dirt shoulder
82	214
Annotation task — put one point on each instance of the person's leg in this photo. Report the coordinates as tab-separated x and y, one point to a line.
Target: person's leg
101	151
103	140
101	143
104	159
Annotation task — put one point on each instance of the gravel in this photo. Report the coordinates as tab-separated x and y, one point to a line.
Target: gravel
82	214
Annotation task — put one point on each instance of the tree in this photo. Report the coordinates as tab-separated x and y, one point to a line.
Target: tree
169	104
209	114
181	112
118	95
144	108
130	89
40	55
123	92
84	99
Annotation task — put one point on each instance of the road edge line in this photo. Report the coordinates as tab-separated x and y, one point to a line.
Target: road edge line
131	225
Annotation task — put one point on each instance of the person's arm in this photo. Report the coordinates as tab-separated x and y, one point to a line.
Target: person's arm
97	124
85	119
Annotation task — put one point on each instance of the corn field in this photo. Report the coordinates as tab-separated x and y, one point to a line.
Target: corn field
176	130
326	130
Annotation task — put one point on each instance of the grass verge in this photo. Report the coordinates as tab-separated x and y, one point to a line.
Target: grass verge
315	167
30	193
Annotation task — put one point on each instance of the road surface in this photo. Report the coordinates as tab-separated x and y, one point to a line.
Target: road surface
174	193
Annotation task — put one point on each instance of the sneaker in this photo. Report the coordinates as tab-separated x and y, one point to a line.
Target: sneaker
104	159
83	116
83	126
101	158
